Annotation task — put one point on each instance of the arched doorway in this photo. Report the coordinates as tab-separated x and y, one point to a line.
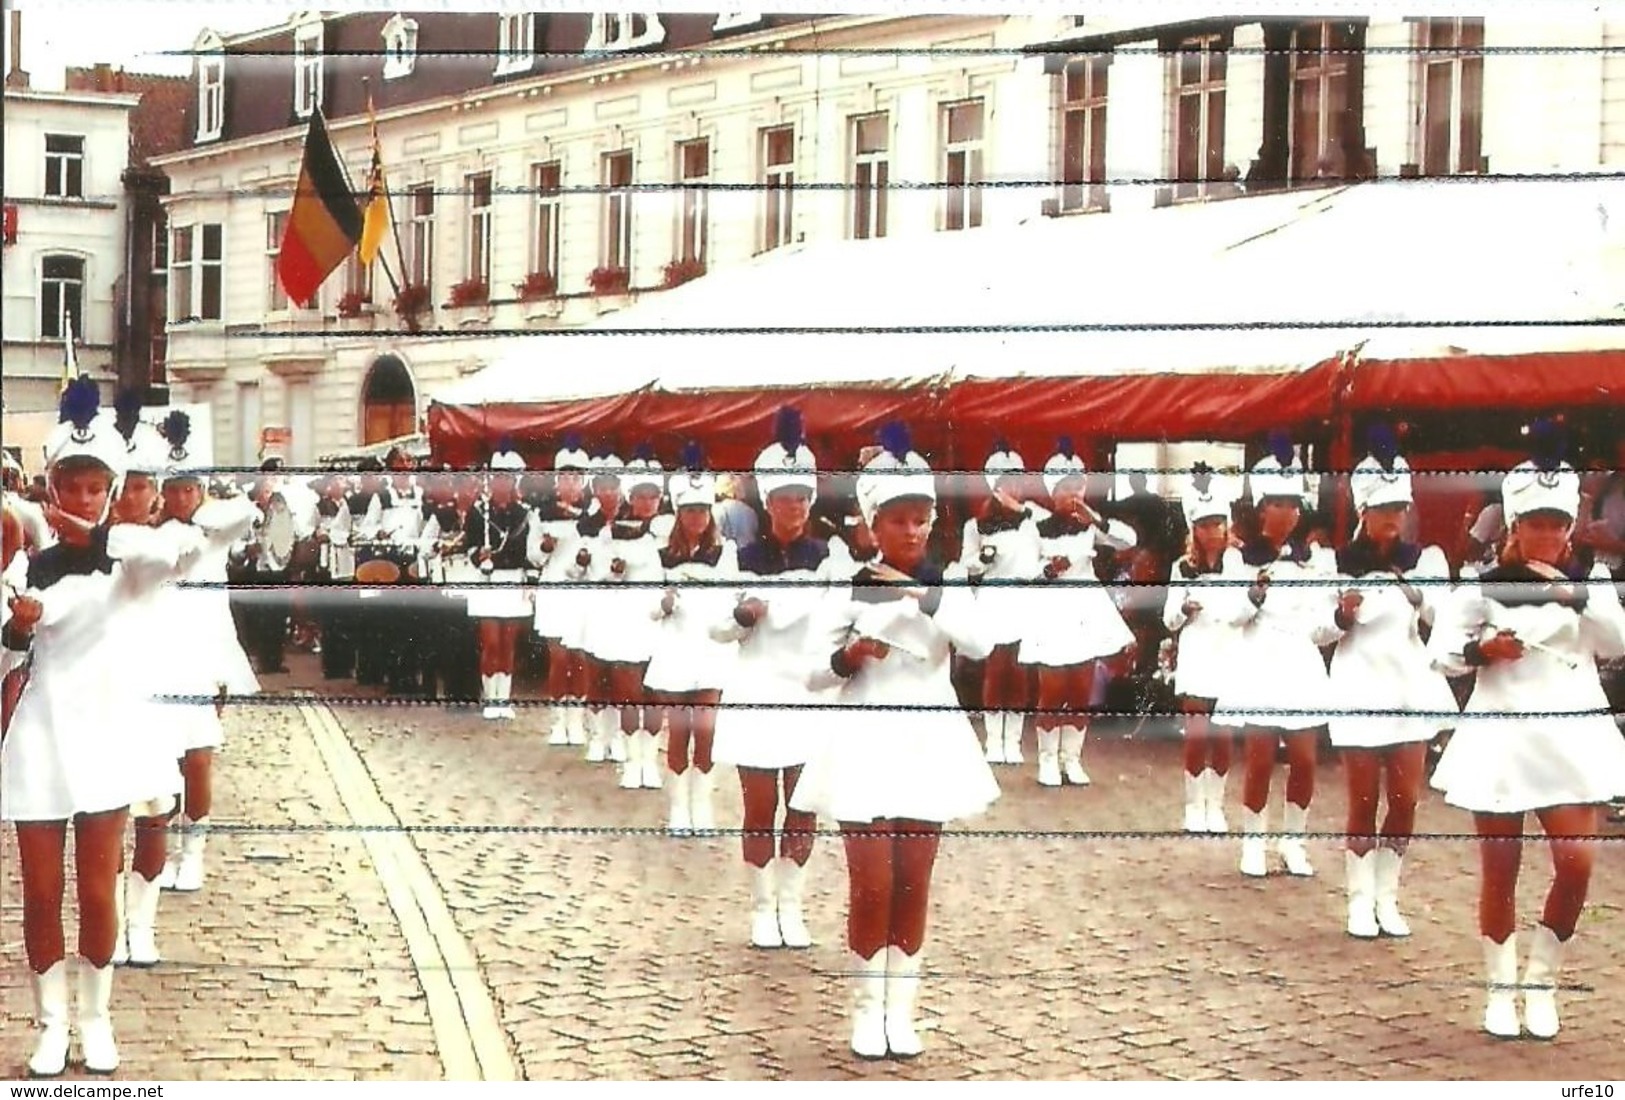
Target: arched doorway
389	403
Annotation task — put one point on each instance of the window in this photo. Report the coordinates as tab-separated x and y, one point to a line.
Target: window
617	243
547	183
1450	110
275	226
420	236
62	288
307	68
962	164
400	46
65	166
625	32
479	228
778	185
871	165
730	21
211	86
357	279
1198	102
1322	73
1083	133
516	42
157	301
196	255
694	168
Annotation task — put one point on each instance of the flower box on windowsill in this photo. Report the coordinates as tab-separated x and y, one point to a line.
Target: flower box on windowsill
610	281
411	305
538	286
468	294
679	272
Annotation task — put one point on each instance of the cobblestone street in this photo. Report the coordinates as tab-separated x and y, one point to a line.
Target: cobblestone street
411	892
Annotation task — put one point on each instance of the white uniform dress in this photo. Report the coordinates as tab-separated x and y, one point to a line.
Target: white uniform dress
888	757
1536	732
1381	663
771	666
1073	619
1278	679
1208	641
503	531
70	748
617	625
685	657
561	610
201	637
1005	551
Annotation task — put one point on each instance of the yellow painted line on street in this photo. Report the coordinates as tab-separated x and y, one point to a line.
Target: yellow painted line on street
467	1029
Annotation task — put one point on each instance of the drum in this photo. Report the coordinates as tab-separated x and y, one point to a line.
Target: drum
276	536
383	563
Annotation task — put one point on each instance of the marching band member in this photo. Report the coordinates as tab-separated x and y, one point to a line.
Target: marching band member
1381	665
1278	687
1533	628
688	669
208	660
1205	645
1073	628
367	613
551	548
266	606
591	569
1002	549
404	616
892	772
335	570
496	544
452	658
67	755
771	721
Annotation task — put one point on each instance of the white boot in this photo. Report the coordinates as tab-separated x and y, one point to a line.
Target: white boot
1049	757
504	686
679	821
632	755
1015	722
1388	865
902	987
575	720
1291	846
172	852
649	761
764	912
143	903
792	880
488	696
993	742
121	937
1540	983
702	808
1501	985
618	747
189	874
597	736
50	1056
1362	894
1072	738
869	1005
558	729
1254	847
1213	802
95	1021
1195	803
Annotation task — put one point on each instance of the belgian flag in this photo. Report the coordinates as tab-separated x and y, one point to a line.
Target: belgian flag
325	223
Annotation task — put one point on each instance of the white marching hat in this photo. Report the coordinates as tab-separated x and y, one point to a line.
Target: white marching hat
1529	488
1064	463
787	462
1207	495
691	485
79	436
1277	474
643	472
1003	460
506	459
607	465
1376	486
571	456
897	472
146	451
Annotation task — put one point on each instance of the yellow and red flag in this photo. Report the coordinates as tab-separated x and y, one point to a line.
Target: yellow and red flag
325	223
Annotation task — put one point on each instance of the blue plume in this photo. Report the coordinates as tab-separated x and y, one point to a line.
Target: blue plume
1549	443
787	429
644	453
692	457
1201	476
895	438
1384	443
1064	447
1280	444
504	444
177	428
572	441
1000	445
80	402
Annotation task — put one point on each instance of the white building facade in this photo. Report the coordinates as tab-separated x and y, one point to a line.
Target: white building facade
64	253
538	196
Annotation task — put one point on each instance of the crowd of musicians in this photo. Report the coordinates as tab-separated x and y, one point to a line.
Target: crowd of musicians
817	641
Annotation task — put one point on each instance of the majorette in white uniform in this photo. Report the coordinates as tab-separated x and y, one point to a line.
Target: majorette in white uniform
589	568
561	611
1278	680
67	750
890	757
624	633
1003	550
503	532
1207	640
1537	733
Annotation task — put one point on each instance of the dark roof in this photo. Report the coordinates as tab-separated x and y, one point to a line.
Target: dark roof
157	125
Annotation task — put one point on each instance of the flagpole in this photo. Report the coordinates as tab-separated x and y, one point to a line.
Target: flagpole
394	223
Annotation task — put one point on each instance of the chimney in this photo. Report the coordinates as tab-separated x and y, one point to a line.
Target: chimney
15	76
104	77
